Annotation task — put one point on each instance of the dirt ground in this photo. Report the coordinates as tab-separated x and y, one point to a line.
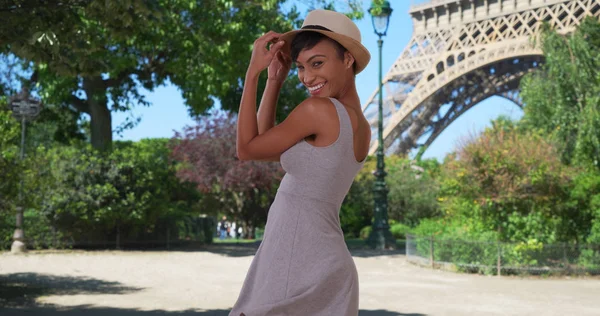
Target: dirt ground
207	281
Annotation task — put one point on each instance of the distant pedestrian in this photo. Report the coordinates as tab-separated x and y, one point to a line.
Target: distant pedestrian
223	228
232	230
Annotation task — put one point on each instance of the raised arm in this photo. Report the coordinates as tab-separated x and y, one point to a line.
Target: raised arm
302	122
278	71
268	107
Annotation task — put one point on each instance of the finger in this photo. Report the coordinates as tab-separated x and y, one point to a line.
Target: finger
269	37
284	59
286	53
272	46
277	46
280	58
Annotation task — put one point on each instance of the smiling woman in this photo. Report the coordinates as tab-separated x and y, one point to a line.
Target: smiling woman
314	50
303	266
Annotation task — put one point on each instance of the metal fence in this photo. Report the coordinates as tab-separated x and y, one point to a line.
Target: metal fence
499	258
184	232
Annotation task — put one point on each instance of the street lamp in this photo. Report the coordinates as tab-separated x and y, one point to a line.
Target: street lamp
380	237
24	107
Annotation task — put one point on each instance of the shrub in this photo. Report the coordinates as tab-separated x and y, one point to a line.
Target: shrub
365	232
399	231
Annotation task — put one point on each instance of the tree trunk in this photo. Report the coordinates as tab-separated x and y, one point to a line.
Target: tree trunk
101	127
100	116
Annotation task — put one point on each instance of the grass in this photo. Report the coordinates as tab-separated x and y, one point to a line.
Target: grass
216	240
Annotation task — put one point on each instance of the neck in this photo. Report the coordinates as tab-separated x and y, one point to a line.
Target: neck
349	96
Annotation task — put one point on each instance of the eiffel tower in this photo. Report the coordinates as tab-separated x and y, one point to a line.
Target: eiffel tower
461	53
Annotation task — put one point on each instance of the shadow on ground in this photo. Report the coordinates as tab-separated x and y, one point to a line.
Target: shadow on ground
19	293
90	311
22	289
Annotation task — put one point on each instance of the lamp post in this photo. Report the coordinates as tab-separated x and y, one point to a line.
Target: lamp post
380	237
24	107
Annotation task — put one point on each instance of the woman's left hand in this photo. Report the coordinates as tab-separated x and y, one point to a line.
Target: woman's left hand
279	67
263	55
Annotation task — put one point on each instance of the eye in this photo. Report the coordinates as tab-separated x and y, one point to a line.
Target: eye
300	67
317	64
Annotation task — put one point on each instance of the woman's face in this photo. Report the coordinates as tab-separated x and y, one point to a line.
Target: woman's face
322	71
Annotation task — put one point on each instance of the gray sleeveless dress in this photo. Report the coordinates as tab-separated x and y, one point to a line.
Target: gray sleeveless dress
302	266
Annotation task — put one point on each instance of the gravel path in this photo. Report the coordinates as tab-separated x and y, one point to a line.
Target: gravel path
207	282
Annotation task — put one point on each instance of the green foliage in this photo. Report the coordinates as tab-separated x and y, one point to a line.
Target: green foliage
365	232
10	166
56	124
97	56
507	195
563	98
510	181
524	253
399	231
590	258
357	210
454	242
412	190
75	194
376	6
441	227
412	193
585	198
39	231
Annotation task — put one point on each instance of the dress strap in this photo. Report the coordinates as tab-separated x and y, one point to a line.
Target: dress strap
346	132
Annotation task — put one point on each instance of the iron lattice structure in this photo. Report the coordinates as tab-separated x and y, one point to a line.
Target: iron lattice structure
462	52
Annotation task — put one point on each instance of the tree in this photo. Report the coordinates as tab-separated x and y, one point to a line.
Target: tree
131	193
96	56
10	166
208	158
356	211
413	190
563	98
512	182
10	132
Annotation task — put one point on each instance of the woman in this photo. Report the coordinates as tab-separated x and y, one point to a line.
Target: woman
303	266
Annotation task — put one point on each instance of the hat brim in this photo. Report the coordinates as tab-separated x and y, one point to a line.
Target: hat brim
360	53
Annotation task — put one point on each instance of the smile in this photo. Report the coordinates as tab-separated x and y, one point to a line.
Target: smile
316	89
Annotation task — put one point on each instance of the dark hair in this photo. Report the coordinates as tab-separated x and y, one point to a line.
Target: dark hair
308	40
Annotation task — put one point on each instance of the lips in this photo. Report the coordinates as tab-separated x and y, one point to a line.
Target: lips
316	89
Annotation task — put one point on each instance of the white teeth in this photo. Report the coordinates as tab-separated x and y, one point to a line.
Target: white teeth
316	87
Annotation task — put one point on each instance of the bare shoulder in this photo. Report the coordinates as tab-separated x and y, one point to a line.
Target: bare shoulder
315	109
314	104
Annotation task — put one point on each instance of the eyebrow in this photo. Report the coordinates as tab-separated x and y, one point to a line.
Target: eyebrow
308	61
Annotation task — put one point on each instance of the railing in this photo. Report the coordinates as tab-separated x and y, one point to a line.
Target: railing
415	4
503	258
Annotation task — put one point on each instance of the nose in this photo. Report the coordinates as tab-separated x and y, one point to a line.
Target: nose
307	78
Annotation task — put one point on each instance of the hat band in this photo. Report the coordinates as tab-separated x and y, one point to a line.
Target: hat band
316	27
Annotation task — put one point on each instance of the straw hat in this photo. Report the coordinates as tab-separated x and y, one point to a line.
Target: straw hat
339	28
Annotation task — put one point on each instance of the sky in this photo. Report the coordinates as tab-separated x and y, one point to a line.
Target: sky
168	113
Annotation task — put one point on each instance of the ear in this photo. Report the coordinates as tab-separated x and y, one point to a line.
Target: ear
348	60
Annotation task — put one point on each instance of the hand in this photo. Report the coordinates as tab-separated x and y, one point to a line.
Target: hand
280	67
261	55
